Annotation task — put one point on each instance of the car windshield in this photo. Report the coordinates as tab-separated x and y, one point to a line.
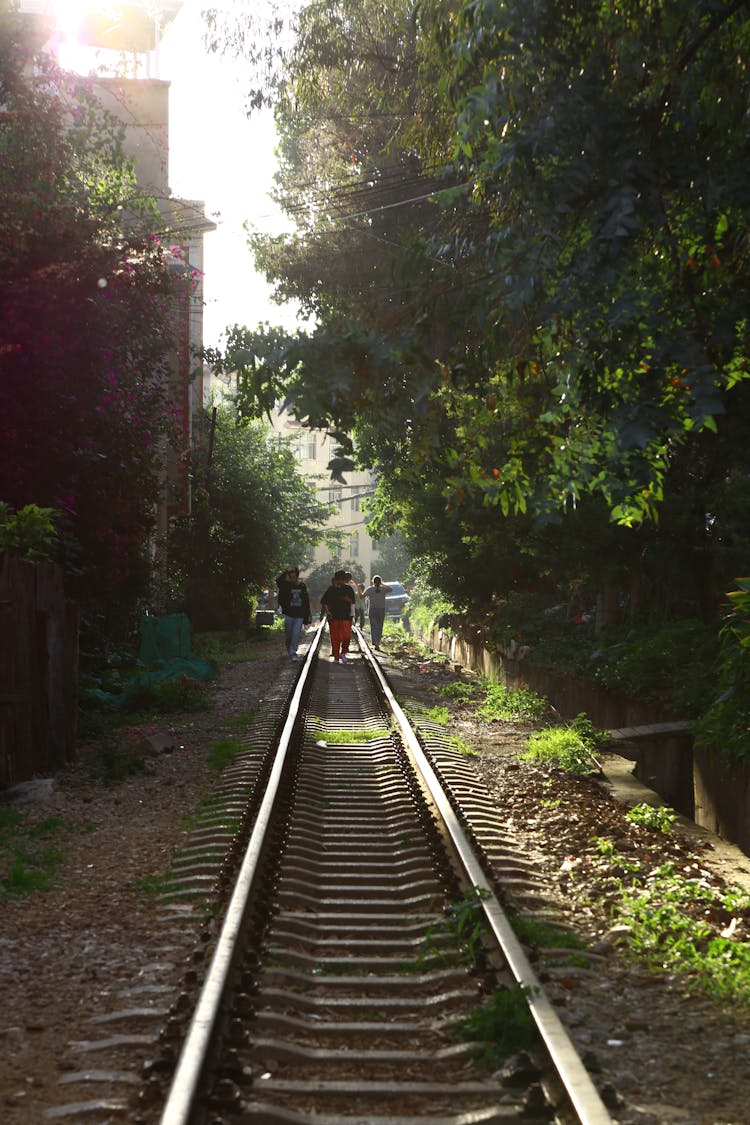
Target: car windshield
396	589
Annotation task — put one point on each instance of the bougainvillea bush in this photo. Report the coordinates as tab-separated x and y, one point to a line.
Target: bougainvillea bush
89	310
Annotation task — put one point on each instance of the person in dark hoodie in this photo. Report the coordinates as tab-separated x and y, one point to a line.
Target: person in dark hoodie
337	604
295	604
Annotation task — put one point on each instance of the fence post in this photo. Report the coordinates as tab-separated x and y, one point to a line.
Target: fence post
38	670
7	689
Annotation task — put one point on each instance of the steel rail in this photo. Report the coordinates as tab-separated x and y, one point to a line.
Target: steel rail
184	1089
582	1092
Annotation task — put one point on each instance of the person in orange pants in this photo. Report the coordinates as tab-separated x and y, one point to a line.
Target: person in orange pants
337	604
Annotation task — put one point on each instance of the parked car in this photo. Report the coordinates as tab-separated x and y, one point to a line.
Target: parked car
396	600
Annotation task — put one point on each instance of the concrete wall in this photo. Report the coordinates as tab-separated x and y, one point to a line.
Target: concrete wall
142	105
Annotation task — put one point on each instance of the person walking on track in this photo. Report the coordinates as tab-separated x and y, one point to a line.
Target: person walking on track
295	604
375	595
336	604
358	613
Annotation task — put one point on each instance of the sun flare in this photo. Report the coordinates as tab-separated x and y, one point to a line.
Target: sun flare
68	19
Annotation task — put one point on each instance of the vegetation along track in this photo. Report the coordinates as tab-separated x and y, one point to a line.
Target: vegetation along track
362	943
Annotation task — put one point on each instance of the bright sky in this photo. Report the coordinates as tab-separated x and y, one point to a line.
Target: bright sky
220	156
216	154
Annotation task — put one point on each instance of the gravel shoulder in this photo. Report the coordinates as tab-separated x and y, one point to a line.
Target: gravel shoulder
97	944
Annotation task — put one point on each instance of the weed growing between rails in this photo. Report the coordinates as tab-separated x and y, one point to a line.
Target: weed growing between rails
465	921
342	737
502	1024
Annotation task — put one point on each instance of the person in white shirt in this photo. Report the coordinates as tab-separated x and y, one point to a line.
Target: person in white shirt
375	595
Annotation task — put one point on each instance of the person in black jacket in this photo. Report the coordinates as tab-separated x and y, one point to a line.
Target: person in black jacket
336	604
295	604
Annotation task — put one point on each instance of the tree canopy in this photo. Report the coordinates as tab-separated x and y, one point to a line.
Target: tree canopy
522	230
252	512
88	326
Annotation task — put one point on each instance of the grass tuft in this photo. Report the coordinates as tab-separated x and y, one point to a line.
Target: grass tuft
223	753
504	704
503	1025
28	857
571	747
343	737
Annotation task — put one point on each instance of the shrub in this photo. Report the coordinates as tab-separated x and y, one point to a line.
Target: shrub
503	703
560	746
665	661
725	723
112	761
656	818
29	533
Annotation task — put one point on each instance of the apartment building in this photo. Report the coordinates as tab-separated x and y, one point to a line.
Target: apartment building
346	502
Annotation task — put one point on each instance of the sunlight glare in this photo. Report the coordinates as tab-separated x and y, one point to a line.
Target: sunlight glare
68	16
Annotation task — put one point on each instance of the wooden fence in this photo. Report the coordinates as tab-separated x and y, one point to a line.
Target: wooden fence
38	671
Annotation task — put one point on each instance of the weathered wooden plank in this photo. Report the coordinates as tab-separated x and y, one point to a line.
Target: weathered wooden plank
17	584
38	670
53	701
8	695
73	623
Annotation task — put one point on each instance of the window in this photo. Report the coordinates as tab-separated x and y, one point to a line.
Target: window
354	546
307	447
356	504
334	495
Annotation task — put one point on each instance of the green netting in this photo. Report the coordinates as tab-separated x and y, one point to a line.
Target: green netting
166	651
165	638
165	655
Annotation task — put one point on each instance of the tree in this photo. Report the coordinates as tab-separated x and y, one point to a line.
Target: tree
393	557
608	162
545	319
87	328
253	512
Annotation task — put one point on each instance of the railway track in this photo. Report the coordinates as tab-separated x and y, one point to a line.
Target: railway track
361	934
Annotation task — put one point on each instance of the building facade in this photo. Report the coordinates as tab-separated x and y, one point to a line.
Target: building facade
346	503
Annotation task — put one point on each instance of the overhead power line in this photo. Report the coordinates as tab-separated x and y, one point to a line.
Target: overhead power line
398	203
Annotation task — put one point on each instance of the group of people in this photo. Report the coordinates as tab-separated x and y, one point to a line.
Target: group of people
342	604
